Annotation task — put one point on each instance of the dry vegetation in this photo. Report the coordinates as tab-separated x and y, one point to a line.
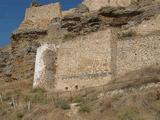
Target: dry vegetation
135	104
126	34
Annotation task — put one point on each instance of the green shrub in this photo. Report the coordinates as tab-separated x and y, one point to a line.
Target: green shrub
68	37
60	103
105	105
125	34
129	34
38	90
36	98
17	91
84	108
20	115
78	99
129	113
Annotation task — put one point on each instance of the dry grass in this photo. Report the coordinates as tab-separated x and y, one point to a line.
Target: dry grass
132	105
127	34
136	79
68	37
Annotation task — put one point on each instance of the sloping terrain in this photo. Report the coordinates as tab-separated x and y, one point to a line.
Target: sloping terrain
135	97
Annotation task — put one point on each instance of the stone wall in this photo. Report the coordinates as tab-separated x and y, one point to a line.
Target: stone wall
140	51
103	56
39	17
93	58
149	27
84	61
137	53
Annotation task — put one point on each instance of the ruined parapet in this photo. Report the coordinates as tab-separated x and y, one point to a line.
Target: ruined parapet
34	3
39	17
45	66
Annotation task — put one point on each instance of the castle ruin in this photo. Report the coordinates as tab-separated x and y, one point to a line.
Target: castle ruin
91	45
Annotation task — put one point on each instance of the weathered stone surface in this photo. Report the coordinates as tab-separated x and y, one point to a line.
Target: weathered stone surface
5	63
24	46
39	17
84	61
45	66
88	44
82	9
109	16
95	5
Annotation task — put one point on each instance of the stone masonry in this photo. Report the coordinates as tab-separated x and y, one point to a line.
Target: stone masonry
86	46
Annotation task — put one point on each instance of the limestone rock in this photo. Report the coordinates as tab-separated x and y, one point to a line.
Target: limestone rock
82	9
95	5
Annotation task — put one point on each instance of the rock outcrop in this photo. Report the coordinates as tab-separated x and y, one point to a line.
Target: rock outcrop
109	17
5	63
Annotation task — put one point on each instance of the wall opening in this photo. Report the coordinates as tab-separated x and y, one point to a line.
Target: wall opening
66	88
76	87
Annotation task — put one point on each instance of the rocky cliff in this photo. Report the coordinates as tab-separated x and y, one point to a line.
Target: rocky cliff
5	63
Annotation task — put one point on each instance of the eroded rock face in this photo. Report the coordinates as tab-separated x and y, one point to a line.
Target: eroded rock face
122	17
5	64
45	67
95	5
24	47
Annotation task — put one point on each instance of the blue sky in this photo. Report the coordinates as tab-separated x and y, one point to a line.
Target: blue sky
12	13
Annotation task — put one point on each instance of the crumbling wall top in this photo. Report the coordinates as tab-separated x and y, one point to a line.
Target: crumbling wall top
39	17
49	12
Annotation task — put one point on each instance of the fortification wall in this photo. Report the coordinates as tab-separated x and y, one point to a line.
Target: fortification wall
84	61
149	27
140	51
49	12
40	17
137	53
